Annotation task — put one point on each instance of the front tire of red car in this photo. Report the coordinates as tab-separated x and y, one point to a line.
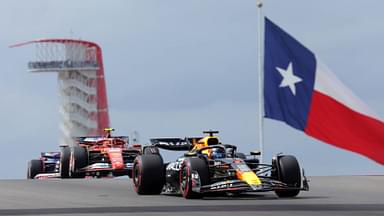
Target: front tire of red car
78	160
64	162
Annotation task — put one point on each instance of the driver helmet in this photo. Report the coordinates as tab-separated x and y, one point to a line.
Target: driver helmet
217	153
108	132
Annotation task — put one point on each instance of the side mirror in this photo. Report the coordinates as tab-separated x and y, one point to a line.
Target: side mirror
255	153
190	154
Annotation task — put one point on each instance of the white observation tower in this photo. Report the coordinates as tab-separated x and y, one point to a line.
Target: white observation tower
83	104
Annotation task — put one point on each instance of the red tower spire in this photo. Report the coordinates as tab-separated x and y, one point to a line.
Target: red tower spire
81	73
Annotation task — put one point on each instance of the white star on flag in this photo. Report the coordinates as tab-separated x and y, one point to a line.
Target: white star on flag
289	79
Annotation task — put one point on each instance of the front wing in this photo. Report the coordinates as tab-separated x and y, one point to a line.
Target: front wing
105	167
47	175
242	186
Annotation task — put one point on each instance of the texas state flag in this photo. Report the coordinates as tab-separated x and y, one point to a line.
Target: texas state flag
302	92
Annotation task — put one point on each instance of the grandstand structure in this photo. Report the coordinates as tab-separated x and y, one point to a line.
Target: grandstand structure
83	105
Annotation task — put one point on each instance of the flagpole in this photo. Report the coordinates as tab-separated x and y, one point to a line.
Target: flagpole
259	4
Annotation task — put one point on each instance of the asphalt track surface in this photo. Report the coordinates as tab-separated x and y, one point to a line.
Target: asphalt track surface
344	195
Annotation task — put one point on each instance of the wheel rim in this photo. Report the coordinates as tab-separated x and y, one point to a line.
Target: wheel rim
71	165
136	174
61	168
184	180
29	173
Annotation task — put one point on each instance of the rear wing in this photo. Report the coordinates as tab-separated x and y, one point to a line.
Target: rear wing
93	139
175	144
50	154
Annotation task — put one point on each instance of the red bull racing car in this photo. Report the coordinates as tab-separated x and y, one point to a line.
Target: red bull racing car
209	166
47	166
99	156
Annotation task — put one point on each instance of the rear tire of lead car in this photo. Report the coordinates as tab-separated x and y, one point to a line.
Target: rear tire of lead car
148	174
64	162
288	172
187	167
151	150
34	167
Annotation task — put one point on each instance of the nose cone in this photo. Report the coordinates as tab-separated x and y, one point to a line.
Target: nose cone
118	165
116	158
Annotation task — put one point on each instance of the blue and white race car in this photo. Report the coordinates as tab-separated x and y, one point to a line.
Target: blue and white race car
47	166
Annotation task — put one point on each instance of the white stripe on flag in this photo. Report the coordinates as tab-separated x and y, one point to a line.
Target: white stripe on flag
327	83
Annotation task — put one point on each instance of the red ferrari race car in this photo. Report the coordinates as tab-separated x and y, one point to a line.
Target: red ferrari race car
99	156
47	166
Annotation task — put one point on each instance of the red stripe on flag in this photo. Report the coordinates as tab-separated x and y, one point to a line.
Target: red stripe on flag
336	124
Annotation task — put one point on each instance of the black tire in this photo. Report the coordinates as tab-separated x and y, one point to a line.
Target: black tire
34	167
288	171
148	174
64	162
78	160
151	150
185	178
240	155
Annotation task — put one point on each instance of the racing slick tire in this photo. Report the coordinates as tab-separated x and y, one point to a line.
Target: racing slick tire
148	174
64	162
78	160
185	176
288	172
151	150
34	167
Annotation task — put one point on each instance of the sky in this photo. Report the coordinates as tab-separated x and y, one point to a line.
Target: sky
175	68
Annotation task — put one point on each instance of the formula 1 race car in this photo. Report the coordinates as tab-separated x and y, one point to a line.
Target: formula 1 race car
211	167
45	167
98	156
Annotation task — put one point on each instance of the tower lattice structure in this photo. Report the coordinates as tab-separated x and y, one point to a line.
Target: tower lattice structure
83	105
